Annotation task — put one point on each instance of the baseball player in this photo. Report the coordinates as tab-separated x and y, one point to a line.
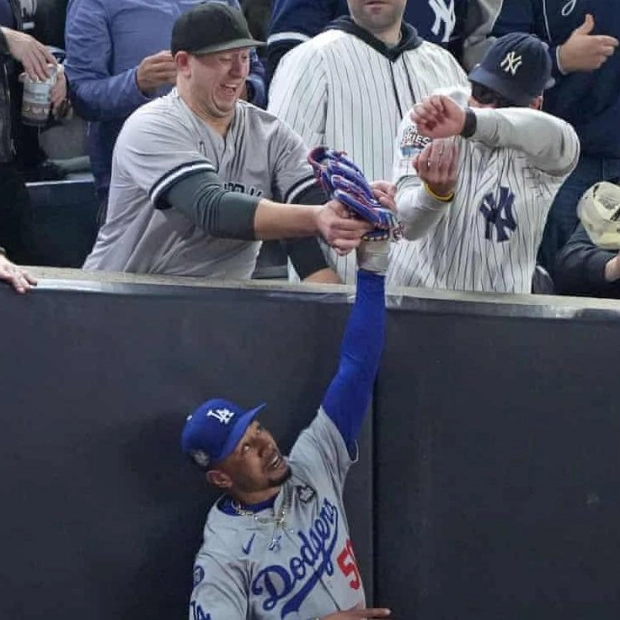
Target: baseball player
196	172
277	544
479	229
349	87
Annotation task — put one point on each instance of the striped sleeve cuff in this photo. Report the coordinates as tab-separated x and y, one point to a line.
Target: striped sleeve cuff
165	182
298	188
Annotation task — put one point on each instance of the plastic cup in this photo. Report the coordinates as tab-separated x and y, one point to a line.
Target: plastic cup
36	102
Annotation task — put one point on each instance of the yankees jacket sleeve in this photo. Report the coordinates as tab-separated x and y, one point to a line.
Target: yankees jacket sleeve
348	395
296	21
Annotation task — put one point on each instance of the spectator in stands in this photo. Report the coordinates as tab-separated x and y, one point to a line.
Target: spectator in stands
17	277
117	60
462	24
582	38
349	87
479	230
589	263
257	14
18	50
195	172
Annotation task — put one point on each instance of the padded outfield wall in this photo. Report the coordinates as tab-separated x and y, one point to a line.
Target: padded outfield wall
488	484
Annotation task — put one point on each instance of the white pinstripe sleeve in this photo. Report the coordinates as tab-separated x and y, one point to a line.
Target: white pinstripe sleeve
154	151
298	93
550	143
418	211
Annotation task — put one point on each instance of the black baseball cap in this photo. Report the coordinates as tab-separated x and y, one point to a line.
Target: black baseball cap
517	66
211	27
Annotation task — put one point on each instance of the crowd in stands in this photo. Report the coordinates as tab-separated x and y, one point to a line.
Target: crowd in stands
492	120
489	127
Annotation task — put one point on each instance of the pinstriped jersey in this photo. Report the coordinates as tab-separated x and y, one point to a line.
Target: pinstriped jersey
340	91
487	238
164	142
250	567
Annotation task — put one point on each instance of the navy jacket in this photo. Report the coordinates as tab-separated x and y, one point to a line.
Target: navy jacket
580	268
588	101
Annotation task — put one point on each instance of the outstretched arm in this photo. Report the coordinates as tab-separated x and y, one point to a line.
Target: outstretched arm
348	396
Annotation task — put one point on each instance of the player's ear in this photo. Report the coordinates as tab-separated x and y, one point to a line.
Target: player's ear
219	479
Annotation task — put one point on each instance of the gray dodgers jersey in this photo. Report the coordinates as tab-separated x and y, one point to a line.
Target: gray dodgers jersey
304	569
162	142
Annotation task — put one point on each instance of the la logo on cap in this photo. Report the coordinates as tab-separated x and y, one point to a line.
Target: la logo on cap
511	63
224	416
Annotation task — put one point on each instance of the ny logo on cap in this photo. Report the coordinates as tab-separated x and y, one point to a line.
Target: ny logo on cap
224	416
511	63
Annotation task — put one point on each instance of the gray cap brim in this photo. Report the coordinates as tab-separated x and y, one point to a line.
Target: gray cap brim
229	45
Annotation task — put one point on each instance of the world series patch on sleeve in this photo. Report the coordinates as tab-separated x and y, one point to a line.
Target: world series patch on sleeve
411	144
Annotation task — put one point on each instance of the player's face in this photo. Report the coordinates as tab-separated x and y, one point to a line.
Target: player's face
256	464
217	81
377	16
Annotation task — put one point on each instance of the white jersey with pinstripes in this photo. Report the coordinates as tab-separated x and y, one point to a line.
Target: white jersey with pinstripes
337	90
487	238
163	142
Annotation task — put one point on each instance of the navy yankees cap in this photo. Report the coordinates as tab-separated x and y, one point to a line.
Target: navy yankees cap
213	430
211	27
517	66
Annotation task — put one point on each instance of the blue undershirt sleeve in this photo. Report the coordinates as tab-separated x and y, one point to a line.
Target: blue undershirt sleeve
348	395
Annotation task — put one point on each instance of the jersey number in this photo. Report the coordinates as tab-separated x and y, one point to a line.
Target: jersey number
348	566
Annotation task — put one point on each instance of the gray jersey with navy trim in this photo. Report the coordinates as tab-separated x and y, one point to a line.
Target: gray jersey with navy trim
487	238
250	568
163	142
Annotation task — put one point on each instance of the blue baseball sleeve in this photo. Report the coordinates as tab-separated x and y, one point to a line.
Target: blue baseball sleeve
348	396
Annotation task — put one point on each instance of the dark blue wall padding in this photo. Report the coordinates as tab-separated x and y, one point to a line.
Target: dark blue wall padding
497	473
101	514
489	480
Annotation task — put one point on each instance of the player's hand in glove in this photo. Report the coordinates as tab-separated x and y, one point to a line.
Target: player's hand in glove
356	613
438	116
345	182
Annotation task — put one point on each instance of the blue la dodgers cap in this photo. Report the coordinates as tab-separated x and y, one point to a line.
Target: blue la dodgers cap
213	430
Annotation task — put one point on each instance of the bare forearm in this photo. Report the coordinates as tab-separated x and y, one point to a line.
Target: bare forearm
273	220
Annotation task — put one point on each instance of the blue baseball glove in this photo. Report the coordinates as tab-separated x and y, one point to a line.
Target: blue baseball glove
344	181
